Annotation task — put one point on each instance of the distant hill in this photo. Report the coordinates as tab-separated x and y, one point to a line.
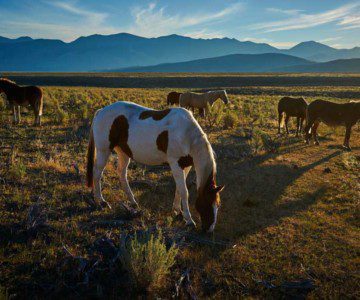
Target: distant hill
106	52
335	66
319	52
228	63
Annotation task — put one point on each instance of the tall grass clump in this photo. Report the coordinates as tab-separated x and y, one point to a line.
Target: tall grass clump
17	170
148	261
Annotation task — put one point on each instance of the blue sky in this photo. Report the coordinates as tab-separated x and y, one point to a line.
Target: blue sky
280	23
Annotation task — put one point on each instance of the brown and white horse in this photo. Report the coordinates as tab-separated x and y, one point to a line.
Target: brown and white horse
201	101
154	137
17	96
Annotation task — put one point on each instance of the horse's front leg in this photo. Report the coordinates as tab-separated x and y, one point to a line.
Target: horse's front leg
123	163
177	199
180	180
14	114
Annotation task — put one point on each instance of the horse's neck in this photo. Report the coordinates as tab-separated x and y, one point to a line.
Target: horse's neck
204	162
213	97
6	87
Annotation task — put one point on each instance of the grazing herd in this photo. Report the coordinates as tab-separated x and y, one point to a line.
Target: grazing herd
173	136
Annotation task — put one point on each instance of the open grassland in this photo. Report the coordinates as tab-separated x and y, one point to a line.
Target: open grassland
184	80
289	214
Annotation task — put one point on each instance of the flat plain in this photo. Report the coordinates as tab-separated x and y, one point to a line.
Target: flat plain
288	223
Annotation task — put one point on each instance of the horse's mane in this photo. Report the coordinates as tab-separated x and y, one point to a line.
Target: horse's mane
8	81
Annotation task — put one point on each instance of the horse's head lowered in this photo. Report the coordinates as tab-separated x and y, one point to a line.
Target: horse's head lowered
208	203
224	97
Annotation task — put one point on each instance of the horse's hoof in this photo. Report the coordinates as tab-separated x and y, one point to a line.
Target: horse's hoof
105	204
347	148
191	225
316	143
178	218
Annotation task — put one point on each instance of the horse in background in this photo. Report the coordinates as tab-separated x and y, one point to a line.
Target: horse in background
154	137
332	114
292	107
202	101
17	96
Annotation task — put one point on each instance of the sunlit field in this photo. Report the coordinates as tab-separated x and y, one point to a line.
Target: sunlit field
288	223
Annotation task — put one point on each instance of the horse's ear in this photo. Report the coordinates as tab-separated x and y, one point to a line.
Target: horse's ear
219	188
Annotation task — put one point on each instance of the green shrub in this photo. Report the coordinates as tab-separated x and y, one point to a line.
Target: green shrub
261	140
148	261
230	119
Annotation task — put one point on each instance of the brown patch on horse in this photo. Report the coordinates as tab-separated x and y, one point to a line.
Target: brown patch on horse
119	134
173	98
185	161
162	141
157	115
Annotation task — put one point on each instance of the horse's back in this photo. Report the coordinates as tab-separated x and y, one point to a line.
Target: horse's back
333	113
292	106
143	127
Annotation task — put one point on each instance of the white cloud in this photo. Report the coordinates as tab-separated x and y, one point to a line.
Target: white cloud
344	16
284	11
154	21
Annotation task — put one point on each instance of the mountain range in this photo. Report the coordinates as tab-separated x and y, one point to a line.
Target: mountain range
123	50
269	62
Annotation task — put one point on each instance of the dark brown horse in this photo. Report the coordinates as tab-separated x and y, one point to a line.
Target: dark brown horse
17	96
332	114
292	107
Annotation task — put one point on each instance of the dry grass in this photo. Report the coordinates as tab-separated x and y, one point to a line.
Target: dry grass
291	210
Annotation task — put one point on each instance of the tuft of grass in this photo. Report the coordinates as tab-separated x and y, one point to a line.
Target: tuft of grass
148	261
17	170
349	161
230	120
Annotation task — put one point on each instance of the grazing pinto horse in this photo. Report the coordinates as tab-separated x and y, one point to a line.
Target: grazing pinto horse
292	107
154	137
17	96
332	114
201	101
173	98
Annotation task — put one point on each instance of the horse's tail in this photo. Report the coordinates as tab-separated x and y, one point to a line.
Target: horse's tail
90	160
41	105
281	118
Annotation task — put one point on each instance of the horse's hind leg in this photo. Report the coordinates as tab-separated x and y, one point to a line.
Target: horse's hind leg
99	165
123	163
347	137
297	126
18	114
286	124
314	132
